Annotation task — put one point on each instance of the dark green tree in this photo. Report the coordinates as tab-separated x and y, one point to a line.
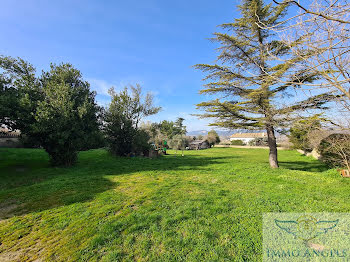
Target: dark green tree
56	111
19	93
166	128
179	128
66	115
171	128
246	78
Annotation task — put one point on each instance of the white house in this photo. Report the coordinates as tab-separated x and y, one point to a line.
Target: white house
246	137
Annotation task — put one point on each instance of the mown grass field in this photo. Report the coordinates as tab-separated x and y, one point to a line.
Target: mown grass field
206	206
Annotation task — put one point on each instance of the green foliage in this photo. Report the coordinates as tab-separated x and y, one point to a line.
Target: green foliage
119	132
66	116
171	128
122	119
253	70
237	143
258	141
19	93
300	132
200	137
335	150
94	140
179	128
166	128
56	111
140	144
212	138
178	142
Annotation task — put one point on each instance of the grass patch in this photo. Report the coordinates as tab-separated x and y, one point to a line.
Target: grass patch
205	206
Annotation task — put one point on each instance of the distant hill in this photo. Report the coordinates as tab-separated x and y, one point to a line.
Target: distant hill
221	133
197	133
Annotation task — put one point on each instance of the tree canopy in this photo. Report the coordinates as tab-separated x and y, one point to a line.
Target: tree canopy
122	118
245	79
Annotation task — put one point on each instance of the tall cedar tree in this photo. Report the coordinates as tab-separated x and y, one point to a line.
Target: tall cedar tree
246	77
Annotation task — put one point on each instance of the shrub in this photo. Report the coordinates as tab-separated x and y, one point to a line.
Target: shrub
178	142
335	150
141	143
299	134
225	142
258	142
28	142
237	143
212	138
119	134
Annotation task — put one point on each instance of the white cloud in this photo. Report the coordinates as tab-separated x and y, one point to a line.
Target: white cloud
100	86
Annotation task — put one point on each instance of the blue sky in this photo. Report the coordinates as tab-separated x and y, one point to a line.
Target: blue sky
114	43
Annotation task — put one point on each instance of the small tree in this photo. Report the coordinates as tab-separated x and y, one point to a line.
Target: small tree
178	142
179	128
123	117
335	150
212	138
299	132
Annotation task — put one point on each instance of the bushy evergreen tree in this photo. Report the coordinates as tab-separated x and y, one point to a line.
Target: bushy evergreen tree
66	116
56	111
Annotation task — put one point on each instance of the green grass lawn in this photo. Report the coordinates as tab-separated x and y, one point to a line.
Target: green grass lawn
206	206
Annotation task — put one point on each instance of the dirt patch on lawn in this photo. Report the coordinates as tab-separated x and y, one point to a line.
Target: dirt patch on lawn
8	209
10	256
29	254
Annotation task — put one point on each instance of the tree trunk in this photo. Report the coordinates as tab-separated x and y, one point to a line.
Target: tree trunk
272	146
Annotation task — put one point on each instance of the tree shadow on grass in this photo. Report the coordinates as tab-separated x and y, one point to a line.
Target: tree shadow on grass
29	184
314	166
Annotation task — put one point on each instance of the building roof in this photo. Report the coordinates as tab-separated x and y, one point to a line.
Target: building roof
249	135
195	142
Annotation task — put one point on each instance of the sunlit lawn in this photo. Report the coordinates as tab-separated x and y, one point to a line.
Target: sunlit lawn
205	206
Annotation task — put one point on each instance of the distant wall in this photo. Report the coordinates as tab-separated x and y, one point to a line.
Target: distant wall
10	142
245	140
